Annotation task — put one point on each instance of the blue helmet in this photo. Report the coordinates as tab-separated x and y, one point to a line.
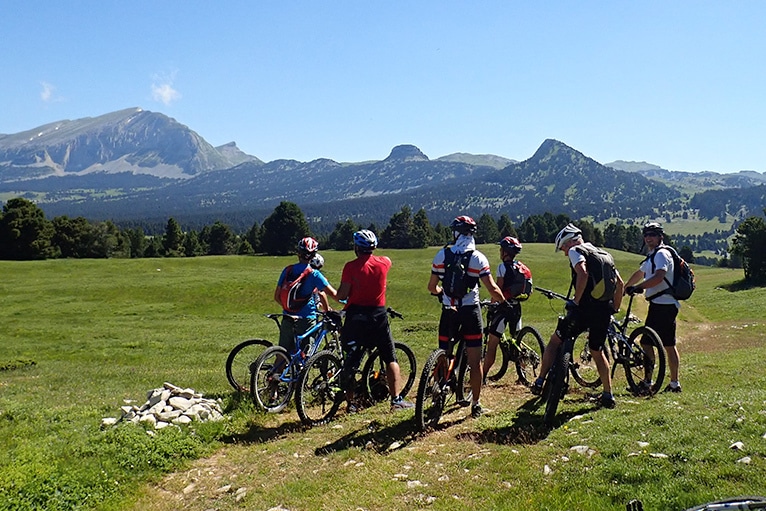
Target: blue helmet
365	240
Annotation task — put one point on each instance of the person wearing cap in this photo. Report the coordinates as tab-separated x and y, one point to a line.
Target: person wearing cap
462	317
363	286
653	276
296	323
583	313
512	280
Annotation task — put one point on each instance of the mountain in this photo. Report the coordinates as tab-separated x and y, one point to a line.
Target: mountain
134	165
131	140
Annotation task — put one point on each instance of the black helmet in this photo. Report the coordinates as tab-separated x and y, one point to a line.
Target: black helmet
463	225
653	228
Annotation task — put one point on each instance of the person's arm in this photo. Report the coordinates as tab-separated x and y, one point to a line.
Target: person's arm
331	292
276	297
635	278
581	281
323	302
433	284
619	290
494	291
342	293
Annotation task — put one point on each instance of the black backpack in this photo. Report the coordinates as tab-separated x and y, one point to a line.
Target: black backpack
456	283
602	275
684	282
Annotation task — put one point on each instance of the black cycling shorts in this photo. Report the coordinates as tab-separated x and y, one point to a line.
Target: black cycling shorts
465	322
662	319
592	316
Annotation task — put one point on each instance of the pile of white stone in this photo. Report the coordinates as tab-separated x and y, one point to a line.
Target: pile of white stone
170	405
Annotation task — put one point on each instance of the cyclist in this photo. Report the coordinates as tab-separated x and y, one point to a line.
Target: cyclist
298	322
461	316
363	286
583	313
514	279
653	276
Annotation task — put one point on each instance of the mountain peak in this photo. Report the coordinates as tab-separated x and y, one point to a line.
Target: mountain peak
406	152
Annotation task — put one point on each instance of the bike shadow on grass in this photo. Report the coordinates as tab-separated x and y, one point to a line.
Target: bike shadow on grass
527	427
374	436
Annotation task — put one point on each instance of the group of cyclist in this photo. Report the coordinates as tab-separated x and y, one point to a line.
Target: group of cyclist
362	292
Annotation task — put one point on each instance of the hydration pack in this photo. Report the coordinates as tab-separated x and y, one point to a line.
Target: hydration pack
602	275
456	283
289	293
517	280
684	283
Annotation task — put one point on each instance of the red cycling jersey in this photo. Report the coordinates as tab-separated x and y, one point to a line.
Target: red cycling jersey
367	277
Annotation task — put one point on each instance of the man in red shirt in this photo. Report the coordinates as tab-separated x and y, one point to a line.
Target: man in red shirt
363	285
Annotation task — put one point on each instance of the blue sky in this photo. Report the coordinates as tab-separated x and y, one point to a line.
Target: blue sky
678	84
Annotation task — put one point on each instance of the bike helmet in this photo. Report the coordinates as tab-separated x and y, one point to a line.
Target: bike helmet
653	228
308	246
570	232
365	240
463	225
317	262
510	244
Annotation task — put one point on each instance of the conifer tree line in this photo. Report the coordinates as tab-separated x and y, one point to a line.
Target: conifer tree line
25	234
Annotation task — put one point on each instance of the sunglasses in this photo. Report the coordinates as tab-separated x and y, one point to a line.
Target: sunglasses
652	234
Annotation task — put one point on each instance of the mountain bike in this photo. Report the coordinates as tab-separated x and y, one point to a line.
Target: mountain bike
742	503
275	372
319	392
524	348
445	376
638	360
639	352
240	358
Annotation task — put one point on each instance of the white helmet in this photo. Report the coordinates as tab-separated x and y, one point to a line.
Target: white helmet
570	232
317	261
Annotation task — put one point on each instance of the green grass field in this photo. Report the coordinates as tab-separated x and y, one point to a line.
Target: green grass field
80	337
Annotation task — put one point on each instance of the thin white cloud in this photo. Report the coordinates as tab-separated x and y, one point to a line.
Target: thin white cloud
46	94
163	90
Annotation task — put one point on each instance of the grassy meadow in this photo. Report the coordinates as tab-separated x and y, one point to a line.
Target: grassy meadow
80	338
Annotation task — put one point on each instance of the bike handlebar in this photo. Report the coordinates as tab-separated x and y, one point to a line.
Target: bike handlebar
550	295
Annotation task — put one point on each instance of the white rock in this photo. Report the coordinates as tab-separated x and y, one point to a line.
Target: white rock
658	455
224	489
180	403
183	419
737	446
161	425
414	484
149	419
443	478
580	449
746	460
643	444
189	488
547	470
108	421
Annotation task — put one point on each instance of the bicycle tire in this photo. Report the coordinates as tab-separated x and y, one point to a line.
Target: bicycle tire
634	360
530	356
583	366
318	395
433	391
745	502
557	386
238	363
463	391
374	376
271	392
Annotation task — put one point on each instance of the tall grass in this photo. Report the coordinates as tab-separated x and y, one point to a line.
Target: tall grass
80	338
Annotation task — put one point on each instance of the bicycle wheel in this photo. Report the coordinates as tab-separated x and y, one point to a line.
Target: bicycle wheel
318	394
272	379
463	392
374	372
643	351
530	354
583	367
747	502
239	361
433	391
502	356
557	386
